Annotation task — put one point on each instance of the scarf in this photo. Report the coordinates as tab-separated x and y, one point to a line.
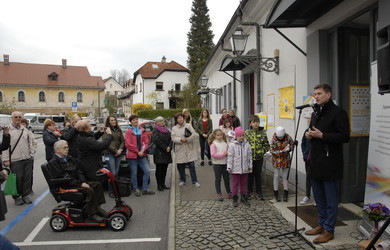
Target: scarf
136	130
162	129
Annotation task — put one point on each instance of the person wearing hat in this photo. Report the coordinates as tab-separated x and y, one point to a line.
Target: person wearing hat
239	164
281	145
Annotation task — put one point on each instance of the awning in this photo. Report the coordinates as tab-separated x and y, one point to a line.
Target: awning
229	64
298	13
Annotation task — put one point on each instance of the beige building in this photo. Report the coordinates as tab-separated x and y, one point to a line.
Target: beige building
50	89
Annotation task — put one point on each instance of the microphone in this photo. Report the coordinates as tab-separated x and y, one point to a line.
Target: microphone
304	106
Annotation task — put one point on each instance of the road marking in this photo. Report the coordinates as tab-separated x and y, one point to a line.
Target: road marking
22	214
36	230
79	242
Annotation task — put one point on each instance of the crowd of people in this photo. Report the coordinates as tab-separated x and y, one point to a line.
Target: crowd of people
233	153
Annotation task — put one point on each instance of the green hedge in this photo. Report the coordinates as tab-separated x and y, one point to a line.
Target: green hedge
166	113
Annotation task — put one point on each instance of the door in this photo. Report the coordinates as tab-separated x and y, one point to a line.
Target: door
249	99
354	68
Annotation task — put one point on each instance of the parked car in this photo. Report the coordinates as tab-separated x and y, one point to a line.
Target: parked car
148	125
37	122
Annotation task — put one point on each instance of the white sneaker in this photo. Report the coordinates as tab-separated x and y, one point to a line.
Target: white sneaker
305	200
197	185
181	184
314	203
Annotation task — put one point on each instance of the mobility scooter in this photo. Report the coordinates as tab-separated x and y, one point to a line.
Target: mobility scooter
72	213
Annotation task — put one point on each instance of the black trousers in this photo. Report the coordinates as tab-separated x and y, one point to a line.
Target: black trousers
161	173
95	196
255	176
202	142
23	170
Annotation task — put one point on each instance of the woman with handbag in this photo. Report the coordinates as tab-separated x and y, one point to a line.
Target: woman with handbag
161	138
204	129
183	135
113	154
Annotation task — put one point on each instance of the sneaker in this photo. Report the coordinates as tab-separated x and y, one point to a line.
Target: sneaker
260	197
182	183
19	201
314	203
97	218
202	163
26	200
250	196
197	185
210	163
219	197
137	192
229	196
305	200
147	192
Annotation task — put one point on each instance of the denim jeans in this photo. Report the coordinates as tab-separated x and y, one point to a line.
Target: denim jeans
326	194
113	163
143	163
181	167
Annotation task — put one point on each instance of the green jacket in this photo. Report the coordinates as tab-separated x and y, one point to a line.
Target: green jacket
209	128
258	141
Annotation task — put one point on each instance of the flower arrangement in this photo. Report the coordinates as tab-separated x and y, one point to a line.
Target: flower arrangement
376	211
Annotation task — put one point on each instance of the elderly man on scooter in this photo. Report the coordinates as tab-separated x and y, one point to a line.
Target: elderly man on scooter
63	165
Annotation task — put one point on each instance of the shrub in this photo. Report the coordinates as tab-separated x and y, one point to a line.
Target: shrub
140	106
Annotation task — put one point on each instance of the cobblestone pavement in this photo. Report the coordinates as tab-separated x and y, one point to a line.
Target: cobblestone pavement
202	222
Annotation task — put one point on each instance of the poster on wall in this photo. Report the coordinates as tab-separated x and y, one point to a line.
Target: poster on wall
286	102
359	110
378	170
263	121
271	110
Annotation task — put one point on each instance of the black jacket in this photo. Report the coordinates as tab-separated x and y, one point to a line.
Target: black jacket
162	141
70	135
326	159
49	138
69	169
90	153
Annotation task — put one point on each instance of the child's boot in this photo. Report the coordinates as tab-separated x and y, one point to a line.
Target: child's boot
244	199
285	195
235	200
276	193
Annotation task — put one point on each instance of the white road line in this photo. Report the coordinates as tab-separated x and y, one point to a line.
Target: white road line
36	230
78	242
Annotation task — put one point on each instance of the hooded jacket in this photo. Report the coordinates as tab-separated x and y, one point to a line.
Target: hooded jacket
239	159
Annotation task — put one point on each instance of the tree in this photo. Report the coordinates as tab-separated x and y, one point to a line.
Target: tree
111	103
7	107
120	76
199	48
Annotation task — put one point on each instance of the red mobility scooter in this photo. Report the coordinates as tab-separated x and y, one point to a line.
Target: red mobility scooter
72	212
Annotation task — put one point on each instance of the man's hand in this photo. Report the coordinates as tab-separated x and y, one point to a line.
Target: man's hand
6	163
5	174
315	133
84	185
168	149
6	130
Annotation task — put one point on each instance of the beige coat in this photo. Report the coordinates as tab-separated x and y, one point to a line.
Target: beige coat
184	151
23	149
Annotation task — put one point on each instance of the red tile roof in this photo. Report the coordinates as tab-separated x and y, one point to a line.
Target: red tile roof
148	71
37	75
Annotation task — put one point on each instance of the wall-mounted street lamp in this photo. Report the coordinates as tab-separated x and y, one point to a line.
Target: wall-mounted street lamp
238	42
206	90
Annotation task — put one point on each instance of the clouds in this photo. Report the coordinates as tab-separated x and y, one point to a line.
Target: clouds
102	35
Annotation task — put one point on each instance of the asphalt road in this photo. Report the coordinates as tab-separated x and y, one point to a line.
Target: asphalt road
28	226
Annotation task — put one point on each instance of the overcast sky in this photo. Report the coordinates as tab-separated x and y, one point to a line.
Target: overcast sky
103	35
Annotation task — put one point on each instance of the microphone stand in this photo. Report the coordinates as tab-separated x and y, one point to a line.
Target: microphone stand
296	231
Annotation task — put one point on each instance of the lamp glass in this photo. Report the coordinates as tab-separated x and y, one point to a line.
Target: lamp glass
204	81
238	41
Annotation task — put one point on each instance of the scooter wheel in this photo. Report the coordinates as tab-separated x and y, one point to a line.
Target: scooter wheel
117	222
58	223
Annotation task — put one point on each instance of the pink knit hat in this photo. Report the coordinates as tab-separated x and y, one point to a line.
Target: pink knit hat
238	131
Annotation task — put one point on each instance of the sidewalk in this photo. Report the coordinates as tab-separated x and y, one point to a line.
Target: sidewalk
202	222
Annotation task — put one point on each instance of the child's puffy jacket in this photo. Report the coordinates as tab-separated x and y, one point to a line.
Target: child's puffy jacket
239	159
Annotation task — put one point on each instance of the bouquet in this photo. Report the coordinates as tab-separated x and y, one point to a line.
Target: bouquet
376	211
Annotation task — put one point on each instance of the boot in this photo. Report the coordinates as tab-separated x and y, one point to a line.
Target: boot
276	193
244	199
285	195
235	201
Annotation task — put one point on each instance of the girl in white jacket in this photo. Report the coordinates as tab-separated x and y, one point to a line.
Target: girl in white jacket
219	151
239	165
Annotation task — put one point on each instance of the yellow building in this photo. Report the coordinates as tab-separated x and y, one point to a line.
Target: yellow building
50	89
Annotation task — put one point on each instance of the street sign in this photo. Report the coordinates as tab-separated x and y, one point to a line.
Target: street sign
74	106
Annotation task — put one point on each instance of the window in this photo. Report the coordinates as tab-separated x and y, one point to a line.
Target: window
1	96
42	96
53	76
140	87
159	86
61	97
159	105
110	85
177	86
79	97
21	96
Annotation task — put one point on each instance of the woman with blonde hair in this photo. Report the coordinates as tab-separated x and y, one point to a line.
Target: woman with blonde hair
187	116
